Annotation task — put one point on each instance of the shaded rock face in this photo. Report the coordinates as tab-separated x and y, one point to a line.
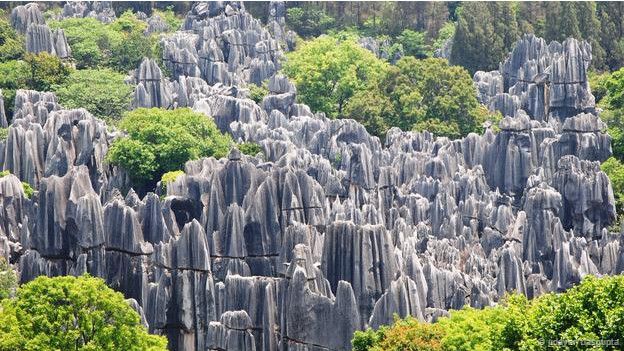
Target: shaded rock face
330	230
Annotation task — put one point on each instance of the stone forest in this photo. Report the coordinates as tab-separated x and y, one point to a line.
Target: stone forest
319	176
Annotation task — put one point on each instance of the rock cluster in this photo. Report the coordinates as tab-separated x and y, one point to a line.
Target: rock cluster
100	10
28	19
330	229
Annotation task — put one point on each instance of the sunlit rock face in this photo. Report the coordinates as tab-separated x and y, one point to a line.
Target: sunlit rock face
330	229
29	21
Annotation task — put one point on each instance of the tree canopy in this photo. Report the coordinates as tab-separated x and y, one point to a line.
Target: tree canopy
160	141
103	92
329	71
72	313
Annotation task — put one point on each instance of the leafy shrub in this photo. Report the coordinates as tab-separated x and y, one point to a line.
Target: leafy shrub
249	148
45	70
589	312
28	190
170	17
120	45
102	92
169	178
8	280
69	313
161	141
11	43
258	92
4	133
413	43
404	335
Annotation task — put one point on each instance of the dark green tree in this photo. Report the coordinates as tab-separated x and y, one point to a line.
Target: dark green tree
160	141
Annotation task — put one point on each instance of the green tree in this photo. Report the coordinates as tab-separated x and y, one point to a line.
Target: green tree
69	313
45	70
11	44
8	280
611	31
13	75
102	92
485	32
433	95
160	141
413	43
308	21
328	72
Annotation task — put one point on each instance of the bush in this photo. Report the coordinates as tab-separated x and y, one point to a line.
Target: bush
160	141
258	92
413	43
45	70
102	92
404	335
120	45
615	171
170	17
69	313
8	280
249	148
169	178
11	44
588	312
28	190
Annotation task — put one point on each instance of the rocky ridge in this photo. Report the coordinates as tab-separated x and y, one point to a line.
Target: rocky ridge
330	229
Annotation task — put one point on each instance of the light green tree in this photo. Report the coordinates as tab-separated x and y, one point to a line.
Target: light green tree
72	313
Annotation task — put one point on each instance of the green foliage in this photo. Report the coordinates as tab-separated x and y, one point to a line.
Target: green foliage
484	34
69	313
4	133
588	312
168	178
249	148
611	88
45	70
161	141
446	32
91	40
328	72
308	21
171	177
615	171
413	43
120	45
102	92
8	280
11	43
13	76
170	17
258	92
404	335
28	190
